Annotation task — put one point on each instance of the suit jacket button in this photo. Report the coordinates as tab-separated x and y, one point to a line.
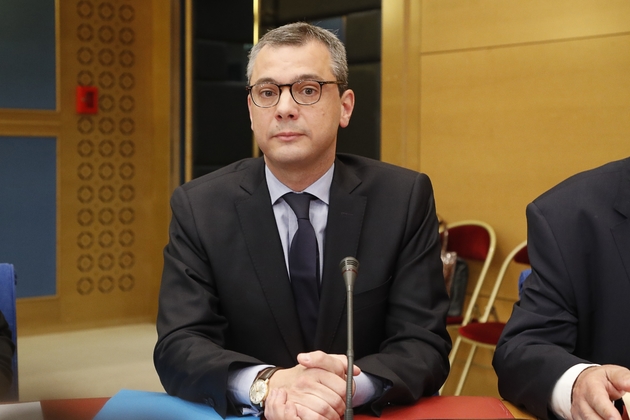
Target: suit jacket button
209	402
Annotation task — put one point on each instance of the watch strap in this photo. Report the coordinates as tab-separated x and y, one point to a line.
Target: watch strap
266	373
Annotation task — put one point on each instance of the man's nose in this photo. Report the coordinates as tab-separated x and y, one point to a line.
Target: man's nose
286	107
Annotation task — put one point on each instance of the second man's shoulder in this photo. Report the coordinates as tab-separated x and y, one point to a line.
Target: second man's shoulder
597	185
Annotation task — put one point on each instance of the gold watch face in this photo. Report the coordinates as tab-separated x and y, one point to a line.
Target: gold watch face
258	391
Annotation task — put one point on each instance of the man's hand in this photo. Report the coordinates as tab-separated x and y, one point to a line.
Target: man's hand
313	389
595	389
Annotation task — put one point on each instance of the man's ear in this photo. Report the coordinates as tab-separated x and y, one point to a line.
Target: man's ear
249	108
347	105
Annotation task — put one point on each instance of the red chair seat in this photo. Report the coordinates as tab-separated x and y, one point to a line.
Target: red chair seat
484	332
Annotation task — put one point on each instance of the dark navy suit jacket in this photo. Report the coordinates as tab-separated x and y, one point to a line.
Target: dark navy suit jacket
575	306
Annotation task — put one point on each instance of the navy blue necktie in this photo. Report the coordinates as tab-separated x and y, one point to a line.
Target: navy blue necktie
304	266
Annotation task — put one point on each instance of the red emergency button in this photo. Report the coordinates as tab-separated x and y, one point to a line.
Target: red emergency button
87	99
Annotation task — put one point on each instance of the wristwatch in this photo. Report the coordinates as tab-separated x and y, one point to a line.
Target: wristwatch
260	388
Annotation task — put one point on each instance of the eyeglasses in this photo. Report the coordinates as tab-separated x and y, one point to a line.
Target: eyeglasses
303	92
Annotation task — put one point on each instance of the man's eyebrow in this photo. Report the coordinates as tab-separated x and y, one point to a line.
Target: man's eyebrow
265	80
308	76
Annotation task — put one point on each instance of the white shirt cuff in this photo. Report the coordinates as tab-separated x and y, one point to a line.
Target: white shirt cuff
561	395
365	389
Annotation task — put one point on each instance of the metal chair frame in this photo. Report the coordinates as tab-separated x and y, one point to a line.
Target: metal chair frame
480	280
486	314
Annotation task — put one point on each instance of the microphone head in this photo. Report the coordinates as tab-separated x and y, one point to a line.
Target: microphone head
349	269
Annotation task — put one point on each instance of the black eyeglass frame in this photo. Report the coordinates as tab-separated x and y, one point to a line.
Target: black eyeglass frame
290	86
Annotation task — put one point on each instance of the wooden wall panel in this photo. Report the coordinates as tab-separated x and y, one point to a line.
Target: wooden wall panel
465	24
511	98
400	66
500	126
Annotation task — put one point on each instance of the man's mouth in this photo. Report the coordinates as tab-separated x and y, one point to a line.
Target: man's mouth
288	135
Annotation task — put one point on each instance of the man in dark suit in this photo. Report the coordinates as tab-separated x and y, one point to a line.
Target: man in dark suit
227	313
565	351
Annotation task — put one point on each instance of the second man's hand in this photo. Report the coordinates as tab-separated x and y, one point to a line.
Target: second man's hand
595	389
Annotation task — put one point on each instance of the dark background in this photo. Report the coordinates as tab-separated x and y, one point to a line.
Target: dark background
223	35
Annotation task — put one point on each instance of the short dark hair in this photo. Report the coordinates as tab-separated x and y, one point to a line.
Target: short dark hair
299	34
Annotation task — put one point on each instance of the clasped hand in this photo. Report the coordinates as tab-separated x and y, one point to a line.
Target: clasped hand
313	389
595	389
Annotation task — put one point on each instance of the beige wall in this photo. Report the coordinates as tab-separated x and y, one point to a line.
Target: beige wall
500	100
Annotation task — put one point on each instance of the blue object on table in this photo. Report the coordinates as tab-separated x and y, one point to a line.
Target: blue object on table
142	405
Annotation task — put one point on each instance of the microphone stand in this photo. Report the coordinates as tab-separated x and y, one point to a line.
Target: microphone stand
349	269
349	415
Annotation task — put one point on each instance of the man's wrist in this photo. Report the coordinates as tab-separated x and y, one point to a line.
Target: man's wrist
259	390
239	382
562	394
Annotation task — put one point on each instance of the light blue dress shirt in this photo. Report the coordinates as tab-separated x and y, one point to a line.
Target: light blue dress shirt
285	217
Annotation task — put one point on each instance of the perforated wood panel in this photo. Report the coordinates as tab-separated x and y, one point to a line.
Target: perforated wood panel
107	149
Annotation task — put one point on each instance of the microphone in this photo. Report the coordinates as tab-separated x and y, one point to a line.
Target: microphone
349	270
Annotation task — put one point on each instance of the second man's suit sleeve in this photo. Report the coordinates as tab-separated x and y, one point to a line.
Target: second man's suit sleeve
534	349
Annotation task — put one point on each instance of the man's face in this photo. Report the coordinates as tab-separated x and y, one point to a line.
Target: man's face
293	136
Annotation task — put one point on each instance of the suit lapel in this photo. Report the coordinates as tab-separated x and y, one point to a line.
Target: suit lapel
343	231
263	244
621	232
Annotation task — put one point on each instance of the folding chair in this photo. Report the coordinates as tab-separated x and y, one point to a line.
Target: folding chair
472	240
483	333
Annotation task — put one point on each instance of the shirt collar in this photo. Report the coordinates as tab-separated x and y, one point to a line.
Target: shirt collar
319	188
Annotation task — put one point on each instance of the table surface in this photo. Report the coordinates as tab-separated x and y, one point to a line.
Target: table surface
447	407
72	409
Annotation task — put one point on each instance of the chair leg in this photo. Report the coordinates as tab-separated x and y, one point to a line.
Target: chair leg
462	378
453	353
451	358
